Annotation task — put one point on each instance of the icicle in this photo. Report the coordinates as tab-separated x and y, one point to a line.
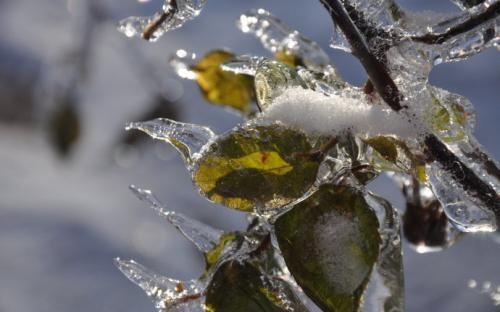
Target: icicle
244	64
278	37
338	41
168	294
466	213
173	14
180	63
188	139
202	235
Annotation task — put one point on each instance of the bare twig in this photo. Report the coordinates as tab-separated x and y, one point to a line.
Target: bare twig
154	25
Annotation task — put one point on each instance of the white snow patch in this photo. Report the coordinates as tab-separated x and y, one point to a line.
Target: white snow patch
318	114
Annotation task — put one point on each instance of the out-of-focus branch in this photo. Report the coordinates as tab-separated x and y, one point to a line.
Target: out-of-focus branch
154	25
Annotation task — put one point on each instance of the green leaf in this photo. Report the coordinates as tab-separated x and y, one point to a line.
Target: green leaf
223	87
256	166
392	154
330	242
450	116
240	286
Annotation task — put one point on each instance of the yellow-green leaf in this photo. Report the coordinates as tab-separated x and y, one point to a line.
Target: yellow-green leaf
256	166
223	87
391	154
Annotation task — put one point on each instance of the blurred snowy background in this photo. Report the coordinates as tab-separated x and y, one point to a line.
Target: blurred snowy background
64	218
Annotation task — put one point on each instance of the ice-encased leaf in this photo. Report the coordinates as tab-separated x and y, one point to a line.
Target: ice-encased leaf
223	87
450	116
287	44
330	242
188	139
173	14
256	166
220	86
240	286
391	154
205	237
167	293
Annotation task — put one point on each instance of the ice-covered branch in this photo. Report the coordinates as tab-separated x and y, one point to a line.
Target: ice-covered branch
463	23
462	175
375	69
173	14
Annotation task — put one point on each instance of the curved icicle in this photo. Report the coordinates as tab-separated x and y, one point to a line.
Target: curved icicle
188	139
167	293
202	235
278	37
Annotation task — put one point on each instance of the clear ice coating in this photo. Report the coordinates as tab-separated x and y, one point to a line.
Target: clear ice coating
168	294
385	290
203	236
461	207
448	40
272	78
188	139
173	14
244	64
278	37
425	225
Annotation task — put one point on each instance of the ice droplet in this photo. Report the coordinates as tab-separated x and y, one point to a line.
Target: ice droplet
276	36
168	294
180	62
202	235
188	139
173	14
461	207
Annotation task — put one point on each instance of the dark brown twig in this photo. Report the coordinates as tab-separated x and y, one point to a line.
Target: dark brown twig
154	25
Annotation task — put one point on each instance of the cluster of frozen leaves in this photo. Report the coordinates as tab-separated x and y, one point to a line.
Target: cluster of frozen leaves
300	162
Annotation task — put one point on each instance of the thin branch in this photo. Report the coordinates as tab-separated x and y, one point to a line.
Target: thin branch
154	25
492	12
388	90
375	68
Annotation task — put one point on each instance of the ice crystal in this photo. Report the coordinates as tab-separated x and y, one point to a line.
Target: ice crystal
173	14
203	236
188	139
